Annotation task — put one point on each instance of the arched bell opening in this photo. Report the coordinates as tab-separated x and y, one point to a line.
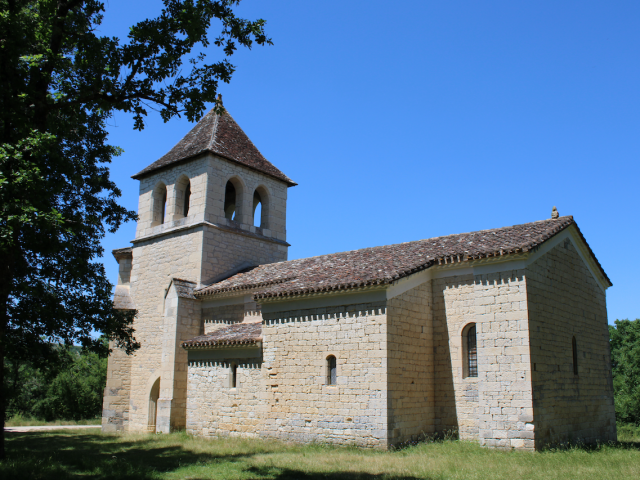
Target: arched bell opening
261	207
183	197
233	200
158	204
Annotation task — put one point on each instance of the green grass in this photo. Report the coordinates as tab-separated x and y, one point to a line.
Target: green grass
73	454
26	421
628	433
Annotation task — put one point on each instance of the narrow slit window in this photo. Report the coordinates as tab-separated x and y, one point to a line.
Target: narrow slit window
574	347
332	376
472	352
234	375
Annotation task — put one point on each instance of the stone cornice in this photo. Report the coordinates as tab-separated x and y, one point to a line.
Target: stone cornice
217	226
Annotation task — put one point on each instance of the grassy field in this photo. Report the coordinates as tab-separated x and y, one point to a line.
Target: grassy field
21	421
73	454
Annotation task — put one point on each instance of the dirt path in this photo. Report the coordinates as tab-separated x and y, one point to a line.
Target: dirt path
48	427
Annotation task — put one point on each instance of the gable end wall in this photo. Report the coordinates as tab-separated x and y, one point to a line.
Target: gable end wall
565	301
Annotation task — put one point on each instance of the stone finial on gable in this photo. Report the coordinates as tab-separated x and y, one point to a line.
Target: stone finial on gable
554	213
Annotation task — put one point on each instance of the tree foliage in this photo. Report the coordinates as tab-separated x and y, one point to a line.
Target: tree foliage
60	81
625	364
70	388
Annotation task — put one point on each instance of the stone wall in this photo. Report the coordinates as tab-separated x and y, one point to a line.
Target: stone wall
302	406
286	394
115	404
214	408
215	318
410	365
181	322
155	263
456	399
226	252
495	407
505	412
565	302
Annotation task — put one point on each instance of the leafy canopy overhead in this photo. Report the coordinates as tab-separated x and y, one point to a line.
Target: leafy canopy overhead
60	81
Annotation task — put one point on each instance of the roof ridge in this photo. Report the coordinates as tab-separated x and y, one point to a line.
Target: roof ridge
212	139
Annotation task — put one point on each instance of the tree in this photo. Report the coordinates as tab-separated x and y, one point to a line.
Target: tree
69	388
59	84
625	365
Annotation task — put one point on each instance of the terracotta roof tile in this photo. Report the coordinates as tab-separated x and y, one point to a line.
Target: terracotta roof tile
383	265
184	288
220	135
236	334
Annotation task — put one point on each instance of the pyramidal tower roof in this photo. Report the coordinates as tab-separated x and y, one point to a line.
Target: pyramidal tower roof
222	136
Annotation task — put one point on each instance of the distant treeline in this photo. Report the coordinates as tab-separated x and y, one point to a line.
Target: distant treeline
69	386
625	363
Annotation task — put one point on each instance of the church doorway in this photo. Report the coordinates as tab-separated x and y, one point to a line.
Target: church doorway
153	406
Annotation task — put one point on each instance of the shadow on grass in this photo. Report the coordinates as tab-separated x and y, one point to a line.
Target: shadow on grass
594	447
59	456
62	456
274	473
47	455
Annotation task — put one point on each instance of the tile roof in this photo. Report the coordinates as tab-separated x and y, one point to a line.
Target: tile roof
184	288
383	265
220	135
119	253
236	334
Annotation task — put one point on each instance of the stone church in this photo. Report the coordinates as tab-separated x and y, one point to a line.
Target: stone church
499	335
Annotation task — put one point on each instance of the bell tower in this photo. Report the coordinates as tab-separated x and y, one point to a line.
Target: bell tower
209	208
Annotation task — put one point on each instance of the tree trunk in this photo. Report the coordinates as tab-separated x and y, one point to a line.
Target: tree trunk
3	329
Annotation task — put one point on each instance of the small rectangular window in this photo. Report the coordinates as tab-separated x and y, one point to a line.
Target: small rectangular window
234	375
331	370
574	347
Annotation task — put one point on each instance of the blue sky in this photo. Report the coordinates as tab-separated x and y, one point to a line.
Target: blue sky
413	119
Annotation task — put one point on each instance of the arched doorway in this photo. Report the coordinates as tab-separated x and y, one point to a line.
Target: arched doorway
153	406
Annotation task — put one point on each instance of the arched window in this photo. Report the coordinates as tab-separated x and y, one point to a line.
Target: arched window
332	374
153	405
574	347
158	204
234	375
470	351
261	207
